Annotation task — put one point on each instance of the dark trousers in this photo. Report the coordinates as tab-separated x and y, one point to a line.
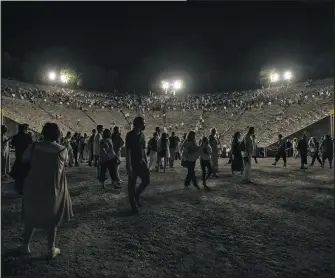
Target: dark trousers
329	157
317	157
111	167
190	176
279	155
177	157
255	159
140	171
206	169
303	158
75	155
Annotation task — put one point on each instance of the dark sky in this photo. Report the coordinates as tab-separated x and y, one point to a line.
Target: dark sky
189	37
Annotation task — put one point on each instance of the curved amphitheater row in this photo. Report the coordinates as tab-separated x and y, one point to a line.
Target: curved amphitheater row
268	121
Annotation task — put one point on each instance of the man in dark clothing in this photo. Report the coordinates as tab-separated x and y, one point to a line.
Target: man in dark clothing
90	147
302	148
281	152
289	150
20	142
136	162
327	148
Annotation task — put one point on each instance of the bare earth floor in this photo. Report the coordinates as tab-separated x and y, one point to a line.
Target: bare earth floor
282	226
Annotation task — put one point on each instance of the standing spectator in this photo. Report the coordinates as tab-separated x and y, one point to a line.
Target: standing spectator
313	145
20	142
205	161
302	148
136	163
190	154
46	199
91	147
4	153
96	144
117	144
96	147
327	148
247	150
152	151
214	143
177	156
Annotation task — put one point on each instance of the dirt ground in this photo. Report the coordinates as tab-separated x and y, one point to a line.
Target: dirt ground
282	226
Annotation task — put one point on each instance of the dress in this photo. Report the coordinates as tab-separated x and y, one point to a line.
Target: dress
237	161
46	199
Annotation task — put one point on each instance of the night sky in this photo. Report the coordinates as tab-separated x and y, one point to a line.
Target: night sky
198	41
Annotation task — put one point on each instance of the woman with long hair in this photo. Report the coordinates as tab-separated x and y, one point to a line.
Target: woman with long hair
190	154
236	155
205	161
46	199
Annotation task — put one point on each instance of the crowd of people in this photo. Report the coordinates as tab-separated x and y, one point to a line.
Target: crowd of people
228	102
39	165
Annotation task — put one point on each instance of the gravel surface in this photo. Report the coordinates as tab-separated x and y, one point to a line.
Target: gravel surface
282	226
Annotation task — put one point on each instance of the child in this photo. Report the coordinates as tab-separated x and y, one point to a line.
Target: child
205	160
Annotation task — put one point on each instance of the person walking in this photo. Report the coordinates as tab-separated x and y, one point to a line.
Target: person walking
90	145
163	150
46	199
20	142
236	155
247	150
205	161
214	143
190	154
173	145
152	151
303	149
313	145
327	148
281	152
108	160
4	153
136	163
118	143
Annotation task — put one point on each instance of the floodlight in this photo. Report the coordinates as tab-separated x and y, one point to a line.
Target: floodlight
288	75
52	76
274	77
63	78
165	85
177	85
